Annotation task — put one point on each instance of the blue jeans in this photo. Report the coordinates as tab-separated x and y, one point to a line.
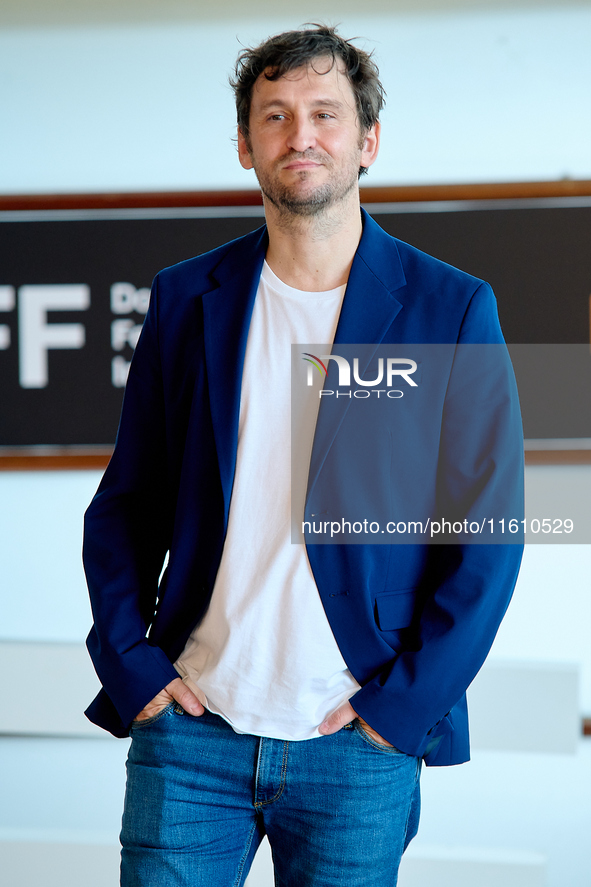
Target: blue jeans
338	810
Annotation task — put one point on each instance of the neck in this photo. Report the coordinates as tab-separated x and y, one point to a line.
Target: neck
314	253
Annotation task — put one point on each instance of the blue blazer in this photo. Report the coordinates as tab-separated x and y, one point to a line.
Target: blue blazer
415	622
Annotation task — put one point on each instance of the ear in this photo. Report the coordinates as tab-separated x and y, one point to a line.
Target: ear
244	151
371	145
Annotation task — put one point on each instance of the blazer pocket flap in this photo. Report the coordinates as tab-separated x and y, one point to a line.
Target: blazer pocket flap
442	727
395	609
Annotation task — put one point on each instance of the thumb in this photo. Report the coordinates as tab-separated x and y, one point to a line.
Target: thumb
185	697
343	715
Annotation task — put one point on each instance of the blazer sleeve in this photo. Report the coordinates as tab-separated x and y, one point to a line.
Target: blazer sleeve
126	536
480	475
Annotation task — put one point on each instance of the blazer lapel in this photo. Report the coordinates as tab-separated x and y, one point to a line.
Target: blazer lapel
369	309
376	273
227	312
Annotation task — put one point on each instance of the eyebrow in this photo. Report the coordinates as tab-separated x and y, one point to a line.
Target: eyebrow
319	103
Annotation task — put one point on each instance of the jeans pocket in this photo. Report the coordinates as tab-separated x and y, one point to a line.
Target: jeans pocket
145	722
388	749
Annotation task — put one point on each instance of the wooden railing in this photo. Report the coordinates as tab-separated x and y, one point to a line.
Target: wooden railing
387	194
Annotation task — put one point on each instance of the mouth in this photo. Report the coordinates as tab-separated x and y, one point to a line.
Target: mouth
302	164
302	161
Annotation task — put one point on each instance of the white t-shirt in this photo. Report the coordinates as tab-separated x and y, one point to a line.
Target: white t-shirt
264	656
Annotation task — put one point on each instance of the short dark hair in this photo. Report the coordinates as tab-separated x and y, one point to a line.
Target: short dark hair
294	49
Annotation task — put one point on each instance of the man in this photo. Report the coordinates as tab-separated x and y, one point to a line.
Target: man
276	688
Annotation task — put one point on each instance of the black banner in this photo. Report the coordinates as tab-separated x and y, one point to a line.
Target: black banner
74	287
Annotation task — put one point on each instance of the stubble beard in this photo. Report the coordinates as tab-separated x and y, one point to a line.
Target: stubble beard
292	204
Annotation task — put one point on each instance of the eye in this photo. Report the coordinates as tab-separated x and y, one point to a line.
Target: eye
277	117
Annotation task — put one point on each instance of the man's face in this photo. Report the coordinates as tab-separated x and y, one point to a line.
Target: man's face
305	143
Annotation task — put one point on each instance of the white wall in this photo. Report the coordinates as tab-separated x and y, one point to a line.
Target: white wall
44	599
509	817
479	95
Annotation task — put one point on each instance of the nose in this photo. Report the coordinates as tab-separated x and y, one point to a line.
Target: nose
301	134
